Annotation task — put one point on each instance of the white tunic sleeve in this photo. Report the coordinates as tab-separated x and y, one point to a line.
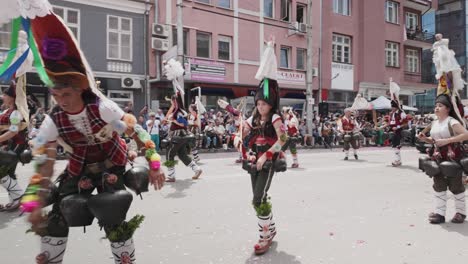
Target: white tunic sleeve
15	119
48	131
110	111
275	118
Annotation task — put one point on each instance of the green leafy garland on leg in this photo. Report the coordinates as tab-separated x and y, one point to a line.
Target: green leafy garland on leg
170	163
264	209
125	231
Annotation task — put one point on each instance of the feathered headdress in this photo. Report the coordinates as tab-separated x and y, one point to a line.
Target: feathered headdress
394	94
173	70
268	89
55	51
449	77
360	103
200	107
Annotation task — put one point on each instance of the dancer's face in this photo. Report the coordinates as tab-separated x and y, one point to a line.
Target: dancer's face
8	100
69	99
263	108
441	110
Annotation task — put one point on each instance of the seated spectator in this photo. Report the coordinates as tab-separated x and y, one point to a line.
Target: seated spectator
230	130
210	134
303	132
220	131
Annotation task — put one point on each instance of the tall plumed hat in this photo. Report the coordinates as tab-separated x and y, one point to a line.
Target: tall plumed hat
268	89
394	94
449	78
57	57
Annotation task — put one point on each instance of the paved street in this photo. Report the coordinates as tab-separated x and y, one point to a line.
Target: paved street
328	211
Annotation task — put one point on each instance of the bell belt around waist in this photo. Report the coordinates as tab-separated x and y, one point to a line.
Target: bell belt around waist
98	167
261	148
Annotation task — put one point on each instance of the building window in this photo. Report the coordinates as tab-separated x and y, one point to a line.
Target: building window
224	3
203	44
342	7
285	57
119	38
301	59
300	13
286	10
268	8
391	54
185	36
392	12
204	1
412	22
412	60
71	17
121	98
5	36
224	48
341	48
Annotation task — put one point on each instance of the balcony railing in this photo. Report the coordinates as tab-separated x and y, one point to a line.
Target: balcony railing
419	35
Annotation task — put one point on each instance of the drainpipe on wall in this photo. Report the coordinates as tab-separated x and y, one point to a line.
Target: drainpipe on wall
145	56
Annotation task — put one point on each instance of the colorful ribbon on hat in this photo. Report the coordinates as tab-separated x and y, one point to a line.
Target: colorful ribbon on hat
16	26
266	88
8	70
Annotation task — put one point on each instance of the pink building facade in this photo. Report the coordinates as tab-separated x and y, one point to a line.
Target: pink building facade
360	45
222	52
371	42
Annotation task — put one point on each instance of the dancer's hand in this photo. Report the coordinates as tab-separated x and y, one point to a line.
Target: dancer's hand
442	142
157	178
132	155
37	218
422	136
260	162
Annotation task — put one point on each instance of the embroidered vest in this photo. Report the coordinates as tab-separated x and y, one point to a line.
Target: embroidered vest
115	148
292	130
347	124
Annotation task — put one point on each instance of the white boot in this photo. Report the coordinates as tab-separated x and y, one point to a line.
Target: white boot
440	203
266	235
346	154
196	158
295	161
123	252
52	249
460	205
397	161
272	227
195	168
171	174
14	192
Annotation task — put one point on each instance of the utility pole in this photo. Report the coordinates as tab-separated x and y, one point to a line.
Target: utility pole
309	90
180	42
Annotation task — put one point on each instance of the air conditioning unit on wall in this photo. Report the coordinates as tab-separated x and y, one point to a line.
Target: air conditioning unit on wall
297	28
160	30
301	28
315	72
130	82
160	44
